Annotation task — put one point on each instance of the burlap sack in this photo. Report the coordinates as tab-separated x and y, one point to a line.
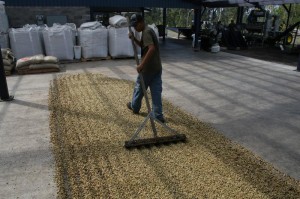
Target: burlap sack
50	59
7	62
26	61
23	62
37	59
8	68
43	66
5	52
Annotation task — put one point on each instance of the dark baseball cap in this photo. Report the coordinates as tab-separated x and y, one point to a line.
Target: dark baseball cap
135	18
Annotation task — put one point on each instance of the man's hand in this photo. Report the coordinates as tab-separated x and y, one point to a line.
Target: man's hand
130	35
139	68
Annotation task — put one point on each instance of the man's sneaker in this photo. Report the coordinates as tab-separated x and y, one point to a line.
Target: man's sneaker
162	120
130	107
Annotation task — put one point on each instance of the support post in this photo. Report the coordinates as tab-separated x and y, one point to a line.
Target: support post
298	66
296	37
197	15
164	23
4	95
240	14
143	12
288	10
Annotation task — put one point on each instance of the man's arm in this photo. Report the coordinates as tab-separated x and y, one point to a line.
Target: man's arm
147	57
135	39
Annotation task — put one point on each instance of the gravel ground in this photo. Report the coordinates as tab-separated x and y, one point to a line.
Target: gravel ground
90	122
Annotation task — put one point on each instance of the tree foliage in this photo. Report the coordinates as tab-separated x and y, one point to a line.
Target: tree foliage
177	17
279	10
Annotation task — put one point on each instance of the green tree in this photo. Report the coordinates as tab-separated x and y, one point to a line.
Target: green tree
295	13
154	16
176	17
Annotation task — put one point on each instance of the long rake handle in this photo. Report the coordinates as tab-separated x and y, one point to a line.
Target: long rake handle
142	82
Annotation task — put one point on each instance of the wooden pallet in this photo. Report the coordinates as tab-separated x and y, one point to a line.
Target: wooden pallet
95	59
69	61
122	57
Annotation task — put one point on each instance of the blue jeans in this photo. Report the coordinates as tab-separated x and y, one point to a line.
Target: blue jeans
155	83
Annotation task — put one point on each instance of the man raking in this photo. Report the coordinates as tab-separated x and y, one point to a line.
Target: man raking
150	68
149	75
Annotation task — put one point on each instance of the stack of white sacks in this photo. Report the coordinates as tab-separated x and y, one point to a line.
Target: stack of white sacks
119	44
59	41
8	60
32	42
4	41
93	40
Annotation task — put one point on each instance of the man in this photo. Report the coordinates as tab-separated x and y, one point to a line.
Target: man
219	29
150	67
231	26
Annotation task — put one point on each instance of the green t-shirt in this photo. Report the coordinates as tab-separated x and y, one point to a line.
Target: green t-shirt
154	64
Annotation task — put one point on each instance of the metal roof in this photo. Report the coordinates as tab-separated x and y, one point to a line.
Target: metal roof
105	3
235	3
148	3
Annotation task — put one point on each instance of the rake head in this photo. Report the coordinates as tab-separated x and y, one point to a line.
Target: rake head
148	142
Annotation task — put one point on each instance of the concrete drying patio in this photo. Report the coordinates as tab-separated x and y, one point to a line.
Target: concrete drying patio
254	103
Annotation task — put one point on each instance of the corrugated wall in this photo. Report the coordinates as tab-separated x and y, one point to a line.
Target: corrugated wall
103	3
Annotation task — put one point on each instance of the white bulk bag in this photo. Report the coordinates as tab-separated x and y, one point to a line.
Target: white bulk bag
154	27
72	26
90	25
3	23
118	21
59	42
93	41
2	7
74	31
25	42
119	44
4	42
39	28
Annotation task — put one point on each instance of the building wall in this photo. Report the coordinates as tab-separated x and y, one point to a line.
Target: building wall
20	16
